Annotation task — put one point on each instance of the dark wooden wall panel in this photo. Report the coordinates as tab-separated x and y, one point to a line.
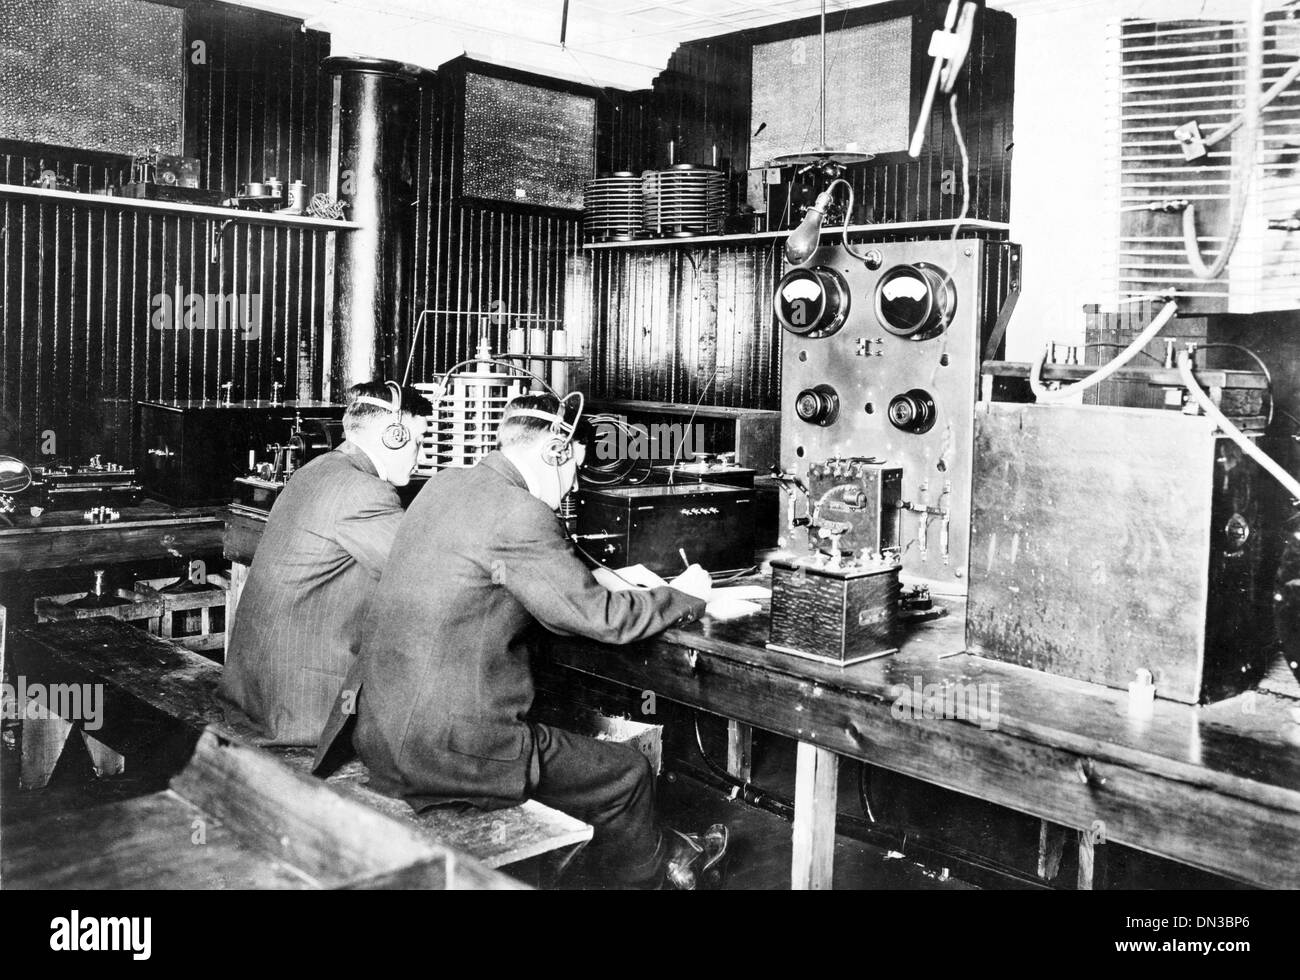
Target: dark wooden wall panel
681	323
469	255
78	303
78	350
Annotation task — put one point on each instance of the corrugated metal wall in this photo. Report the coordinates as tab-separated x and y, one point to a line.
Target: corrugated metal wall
78	279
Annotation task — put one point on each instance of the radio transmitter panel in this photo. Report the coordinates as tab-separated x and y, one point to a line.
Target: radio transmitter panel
880	364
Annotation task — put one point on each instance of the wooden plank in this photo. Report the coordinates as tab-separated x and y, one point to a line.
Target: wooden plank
1197	821
496	837
138	669
300	820
31	548
104	760
1051	847
238	576
1092	854
873	230
174	207
1232	746
740	748
815	792
44	740
243	530
159	841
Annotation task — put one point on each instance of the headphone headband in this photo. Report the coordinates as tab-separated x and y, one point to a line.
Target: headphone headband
557	423
394	405
560	449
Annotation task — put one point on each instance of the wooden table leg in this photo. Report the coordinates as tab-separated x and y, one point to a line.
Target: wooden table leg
238	575
1092	853
816	789
43	742
1051	846
104	760
740	743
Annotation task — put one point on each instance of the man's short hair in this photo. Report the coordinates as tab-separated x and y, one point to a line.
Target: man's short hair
524	430
360	415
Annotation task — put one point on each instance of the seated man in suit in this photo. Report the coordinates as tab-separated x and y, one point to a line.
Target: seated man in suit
438	698
326	542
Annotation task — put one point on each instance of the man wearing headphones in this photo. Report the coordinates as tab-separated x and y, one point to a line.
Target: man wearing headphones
326	542
442	687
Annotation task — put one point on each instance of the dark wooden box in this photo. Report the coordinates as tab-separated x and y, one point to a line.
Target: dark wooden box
840	616
646	525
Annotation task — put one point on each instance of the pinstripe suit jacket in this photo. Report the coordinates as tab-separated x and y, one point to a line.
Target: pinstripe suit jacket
443	682
299	617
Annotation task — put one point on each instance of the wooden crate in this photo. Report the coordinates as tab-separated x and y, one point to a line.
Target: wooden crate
195	620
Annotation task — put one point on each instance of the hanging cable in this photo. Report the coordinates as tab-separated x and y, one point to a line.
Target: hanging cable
1250	119
965	165
1044	396
1248	447
1268	375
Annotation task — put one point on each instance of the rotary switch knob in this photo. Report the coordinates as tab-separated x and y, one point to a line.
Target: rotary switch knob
817	406
912	411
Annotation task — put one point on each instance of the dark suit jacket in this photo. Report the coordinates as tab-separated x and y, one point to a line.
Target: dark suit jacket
443	682
298	624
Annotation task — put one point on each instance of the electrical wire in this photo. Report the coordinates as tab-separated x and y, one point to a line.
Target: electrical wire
1268	376
1212	411
848	217
1276	89
1043	396
965	165
672	469
1250	118
1121	347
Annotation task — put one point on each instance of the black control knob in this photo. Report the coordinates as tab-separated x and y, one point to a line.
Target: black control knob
817	406
915	301
811	302
912	411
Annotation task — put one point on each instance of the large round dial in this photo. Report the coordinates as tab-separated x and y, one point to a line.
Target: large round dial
915	301
811	302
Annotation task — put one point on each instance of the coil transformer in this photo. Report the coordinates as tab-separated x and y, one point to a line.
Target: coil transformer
463	428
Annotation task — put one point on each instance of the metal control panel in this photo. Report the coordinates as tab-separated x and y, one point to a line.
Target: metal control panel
880	364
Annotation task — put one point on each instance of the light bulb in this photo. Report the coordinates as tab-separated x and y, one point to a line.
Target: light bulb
803	241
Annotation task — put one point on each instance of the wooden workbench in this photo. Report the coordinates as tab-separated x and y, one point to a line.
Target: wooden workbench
61	539
1214	787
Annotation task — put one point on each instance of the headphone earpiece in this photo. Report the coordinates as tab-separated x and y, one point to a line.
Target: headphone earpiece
397	434
558	452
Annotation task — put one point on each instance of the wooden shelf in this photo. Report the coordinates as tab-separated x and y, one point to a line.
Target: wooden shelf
894	228
174	207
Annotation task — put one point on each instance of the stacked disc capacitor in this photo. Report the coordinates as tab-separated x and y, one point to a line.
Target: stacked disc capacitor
613	208
684	201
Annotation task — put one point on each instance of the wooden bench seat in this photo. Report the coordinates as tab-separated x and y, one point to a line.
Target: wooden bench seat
235	817
157	699
498	837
